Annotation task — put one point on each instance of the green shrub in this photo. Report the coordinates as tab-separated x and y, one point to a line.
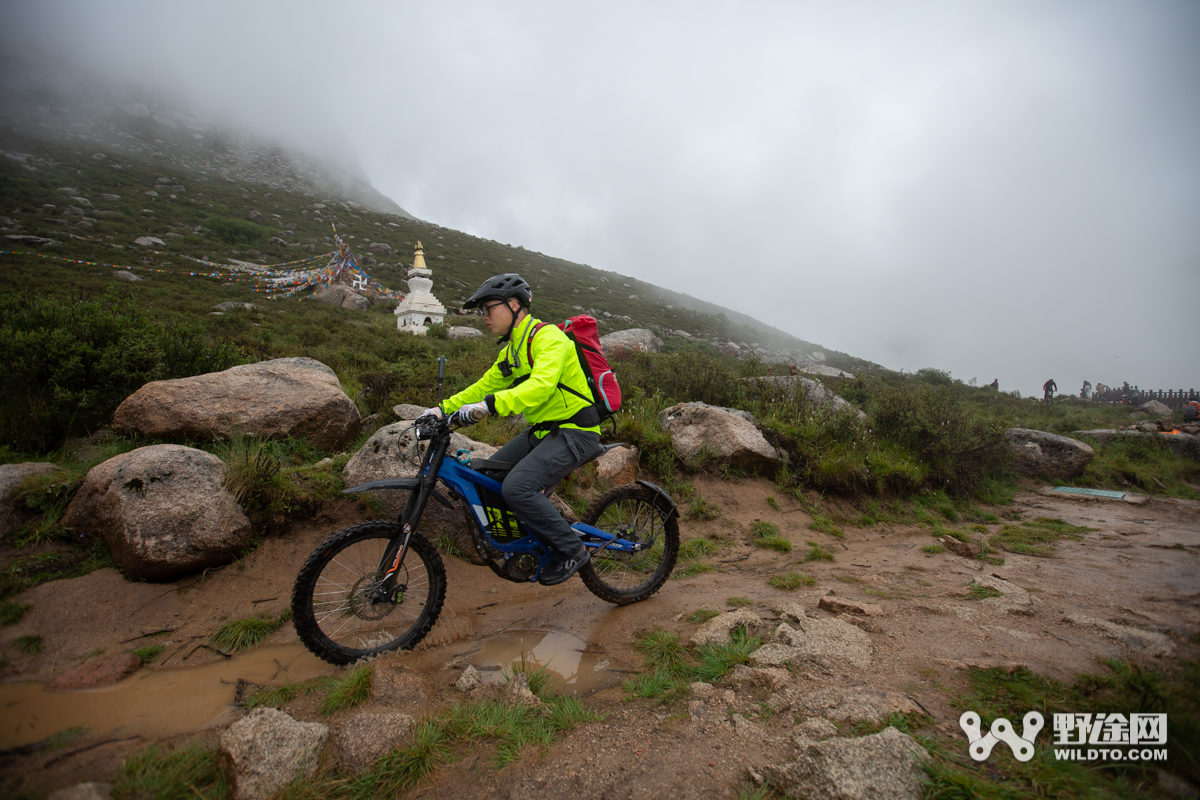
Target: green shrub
237	231
67	365
791	581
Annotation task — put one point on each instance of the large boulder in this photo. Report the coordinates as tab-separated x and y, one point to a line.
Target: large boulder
342	297
393	452
162	511
1041	453
885	764
296	397
699	430
380	248
830	644
618	466
634	340
266	750
459	333
12	477
813	391
1156	408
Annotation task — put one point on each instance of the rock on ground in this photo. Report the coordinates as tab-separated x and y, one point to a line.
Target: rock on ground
162	510
365	737
408	411
961	548
149	241
718	629
700	430
12	476
100	671
1150	643
296	397
858	703
460	333
266	750
126	275
470	679
836	605
1156	408
635	340
392	452
825	643
343	297
230	305
618	466
1041	453
380	248
395	685
885	764
518	693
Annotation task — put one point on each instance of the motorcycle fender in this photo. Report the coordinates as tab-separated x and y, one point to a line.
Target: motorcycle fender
665	503
389	483
396	483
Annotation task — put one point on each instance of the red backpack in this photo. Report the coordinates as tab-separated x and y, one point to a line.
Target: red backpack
583	331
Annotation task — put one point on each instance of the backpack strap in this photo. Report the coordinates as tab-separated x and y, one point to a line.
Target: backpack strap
529	360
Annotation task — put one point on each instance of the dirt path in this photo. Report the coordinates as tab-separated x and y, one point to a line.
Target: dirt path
1130	588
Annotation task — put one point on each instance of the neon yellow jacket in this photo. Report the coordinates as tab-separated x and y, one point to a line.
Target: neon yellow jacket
539	396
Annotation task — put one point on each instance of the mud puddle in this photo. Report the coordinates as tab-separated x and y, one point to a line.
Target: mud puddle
575	666
151	703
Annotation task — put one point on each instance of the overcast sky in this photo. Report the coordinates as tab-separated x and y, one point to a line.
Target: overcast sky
1003	190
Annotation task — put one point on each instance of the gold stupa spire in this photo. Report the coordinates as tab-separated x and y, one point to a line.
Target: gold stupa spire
419	258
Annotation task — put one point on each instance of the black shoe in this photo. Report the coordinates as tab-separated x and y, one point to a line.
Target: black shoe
560	568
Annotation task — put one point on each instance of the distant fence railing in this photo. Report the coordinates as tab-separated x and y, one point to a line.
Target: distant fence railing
1171	398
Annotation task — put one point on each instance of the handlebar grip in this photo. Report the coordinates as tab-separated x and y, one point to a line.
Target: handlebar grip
441	368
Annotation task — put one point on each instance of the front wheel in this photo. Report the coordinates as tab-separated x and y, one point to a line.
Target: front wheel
633	513
338	613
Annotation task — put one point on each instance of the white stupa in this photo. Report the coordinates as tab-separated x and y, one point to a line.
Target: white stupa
419	308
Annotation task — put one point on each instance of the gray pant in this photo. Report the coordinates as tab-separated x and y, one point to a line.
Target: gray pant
540	464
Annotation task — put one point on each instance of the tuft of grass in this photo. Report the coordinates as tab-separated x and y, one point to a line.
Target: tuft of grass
817	553
933	548
701	616
242	634
538	675
823	524
29	645
791	581
1035	538
717	659
405	767
148	653
739	602
702	509
767	536
696	548
977	591
166	773
691	569
348	692
11	612
773	503
665	687
662	651
900	720
277	696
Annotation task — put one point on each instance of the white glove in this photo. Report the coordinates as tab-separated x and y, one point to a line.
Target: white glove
470	414
435	413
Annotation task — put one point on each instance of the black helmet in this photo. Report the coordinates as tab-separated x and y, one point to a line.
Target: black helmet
501	287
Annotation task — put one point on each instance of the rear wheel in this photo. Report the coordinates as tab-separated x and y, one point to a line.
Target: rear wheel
636	514
337	612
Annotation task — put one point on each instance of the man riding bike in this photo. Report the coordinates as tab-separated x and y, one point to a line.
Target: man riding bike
1049	388
540	377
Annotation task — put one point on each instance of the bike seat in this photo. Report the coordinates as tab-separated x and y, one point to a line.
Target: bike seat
490	464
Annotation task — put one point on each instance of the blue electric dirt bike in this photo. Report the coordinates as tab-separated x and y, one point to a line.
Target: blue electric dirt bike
379	585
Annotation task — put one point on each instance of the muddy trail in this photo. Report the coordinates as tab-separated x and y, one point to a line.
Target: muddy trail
1128	588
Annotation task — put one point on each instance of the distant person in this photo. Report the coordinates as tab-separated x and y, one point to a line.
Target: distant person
1086	391
1049	388
995	384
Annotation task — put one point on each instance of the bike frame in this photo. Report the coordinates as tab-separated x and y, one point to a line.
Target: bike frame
466	482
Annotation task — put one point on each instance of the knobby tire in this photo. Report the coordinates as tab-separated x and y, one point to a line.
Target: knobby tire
632	512
327	608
